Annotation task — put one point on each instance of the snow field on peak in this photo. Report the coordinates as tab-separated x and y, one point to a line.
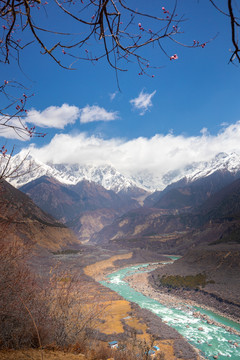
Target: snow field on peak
30	169
111	179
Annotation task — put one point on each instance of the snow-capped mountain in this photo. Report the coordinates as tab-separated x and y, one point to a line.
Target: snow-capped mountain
104	175
111	179
31	169
197	170
222	161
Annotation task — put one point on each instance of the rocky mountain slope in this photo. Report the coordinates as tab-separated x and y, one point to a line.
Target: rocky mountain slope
141	225
86	207
185	194
216	220
76	189
219	267
22	220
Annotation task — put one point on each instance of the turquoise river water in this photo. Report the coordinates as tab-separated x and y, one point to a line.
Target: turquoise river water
213	340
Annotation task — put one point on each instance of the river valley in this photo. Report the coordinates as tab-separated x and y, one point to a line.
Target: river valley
216	337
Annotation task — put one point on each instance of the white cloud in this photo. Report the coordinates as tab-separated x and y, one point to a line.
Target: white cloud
14	129
204	131
96	113
54	116
143	102
157	155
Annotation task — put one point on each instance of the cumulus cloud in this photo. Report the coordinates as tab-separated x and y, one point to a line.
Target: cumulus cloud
96	113
57	117
157	155
143	102
54	116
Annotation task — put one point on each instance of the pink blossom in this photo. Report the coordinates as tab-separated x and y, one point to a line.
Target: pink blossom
174	57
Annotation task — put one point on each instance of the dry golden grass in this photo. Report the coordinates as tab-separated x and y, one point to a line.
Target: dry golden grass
166	347
118	311
112	316
35	354
98	269
138	324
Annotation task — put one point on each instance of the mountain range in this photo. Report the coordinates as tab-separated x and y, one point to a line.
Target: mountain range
111	179
194	212
101	204
86	207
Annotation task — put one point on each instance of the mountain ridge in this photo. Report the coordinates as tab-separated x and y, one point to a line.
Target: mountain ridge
85	207
112	179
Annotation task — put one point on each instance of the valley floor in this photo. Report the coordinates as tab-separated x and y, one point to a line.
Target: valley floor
133	318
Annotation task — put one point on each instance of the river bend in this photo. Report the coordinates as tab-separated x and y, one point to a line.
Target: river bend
211	340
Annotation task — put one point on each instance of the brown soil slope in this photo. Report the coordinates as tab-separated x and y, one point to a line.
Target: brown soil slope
21	219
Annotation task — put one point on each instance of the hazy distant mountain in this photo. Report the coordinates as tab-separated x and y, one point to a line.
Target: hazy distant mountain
185	195
86	224
70	203
143	225
216	220
192	172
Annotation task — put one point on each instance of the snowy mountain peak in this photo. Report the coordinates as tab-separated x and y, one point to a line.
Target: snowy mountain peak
29	169
222	161
105	175
201	169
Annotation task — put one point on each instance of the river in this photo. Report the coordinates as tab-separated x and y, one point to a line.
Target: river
211	340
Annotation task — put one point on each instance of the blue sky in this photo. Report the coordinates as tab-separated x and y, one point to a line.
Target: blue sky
192	98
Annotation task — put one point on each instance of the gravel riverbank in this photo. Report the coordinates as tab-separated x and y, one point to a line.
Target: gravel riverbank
140	282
